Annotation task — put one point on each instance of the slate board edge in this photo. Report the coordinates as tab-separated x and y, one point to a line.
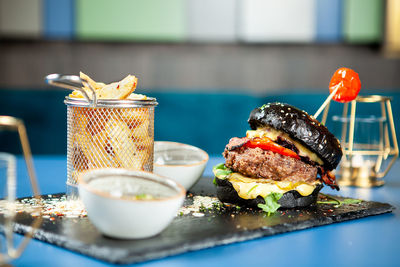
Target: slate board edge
86	250
262	232
71	245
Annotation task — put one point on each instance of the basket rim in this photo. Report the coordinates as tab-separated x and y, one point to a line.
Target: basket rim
112	103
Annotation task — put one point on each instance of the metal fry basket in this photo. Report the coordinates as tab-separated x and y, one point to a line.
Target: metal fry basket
109	134
105	133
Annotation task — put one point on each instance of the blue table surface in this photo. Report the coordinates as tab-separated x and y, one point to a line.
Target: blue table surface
371	241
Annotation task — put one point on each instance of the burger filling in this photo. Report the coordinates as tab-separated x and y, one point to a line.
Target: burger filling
259	163
248	188
276	135
267	161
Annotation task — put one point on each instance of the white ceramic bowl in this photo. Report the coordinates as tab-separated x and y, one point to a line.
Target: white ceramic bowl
109	198
182	163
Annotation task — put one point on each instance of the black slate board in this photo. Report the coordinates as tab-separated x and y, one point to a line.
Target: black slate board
188	233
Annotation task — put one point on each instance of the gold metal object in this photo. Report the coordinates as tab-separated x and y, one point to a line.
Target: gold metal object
113	134
105	133
392	37
365	163
13	124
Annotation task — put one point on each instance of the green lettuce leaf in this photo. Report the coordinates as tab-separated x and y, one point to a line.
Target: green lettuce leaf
271	203
215	181
337	202
221	171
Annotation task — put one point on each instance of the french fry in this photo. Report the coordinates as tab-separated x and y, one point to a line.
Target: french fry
134	117
141	132
142	157
91	82
76	94
123	146
80	119
138	121
96	155
79	160
97	120
134	96
102	141
118	90
90	144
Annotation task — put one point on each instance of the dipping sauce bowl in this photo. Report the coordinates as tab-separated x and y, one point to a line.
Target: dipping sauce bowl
129	204
181	162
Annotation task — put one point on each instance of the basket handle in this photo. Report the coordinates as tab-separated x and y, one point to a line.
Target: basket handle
72	82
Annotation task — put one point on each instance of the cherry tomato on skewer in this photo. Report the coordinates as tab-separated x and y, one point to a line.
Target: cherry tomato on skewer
348	82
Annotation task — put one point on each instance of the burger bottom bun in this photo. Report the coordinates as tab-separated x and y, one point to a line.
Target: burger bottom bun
290	199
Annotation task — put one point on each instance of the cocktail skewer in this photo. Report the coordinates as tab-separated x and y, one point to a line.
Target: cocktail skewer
322	107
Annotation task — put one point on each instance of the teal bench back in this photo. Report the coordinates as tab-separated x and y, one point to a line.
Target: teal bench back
206	120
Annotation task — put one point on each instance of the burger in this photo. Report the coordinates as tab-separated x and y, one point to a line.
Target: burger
283	162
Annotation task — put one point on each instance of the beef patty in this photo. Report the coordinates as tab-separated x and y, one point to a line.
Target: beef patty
259	163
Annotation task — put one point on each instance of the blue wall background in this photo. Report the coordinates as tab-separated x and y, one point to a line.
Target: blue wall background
59	19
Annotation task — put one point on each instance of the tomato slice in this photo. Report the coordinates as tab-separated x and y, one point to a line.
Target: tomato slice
267	144
348	82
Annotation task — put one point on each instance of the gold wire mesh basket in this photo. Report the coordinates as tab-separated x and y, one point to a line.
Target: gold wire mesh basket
105	133
111	134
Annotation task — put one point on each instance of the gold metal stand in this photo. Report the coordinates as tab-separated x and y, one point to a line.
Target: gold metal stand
14	124
366	173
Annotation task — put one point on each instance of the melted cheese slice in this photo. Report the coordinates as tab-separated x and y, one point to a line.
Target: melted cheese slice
273	135
250	188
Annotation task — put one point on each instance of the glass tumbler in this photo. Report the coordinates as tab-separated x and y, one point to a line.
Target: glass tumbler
7	205
368	139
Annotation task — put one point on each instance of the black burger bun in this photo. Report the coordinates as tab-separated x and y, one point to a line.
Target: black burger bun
290	199
300	126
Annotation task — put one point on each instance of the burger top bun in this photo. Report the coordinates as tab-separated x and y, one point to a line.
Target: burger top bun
301	127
